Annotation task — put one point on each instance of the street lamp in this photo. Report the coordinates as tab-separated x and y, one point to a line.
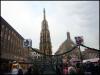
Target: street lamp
79	40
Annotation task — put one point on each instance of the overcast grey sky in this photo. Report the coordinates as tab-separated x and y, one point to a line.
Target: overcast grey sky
80	18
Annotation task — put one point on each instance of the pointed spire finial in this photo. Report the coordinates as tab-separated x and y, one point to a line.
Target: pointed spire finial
68	35
44	13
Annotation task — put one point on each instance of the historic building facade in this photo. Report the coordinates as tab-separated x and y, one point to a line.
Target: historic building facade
67	45
12	44
45	40
35	55
90	54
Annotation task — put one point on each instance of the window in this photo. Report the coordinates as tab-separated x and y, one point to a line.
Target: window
2	27
11	41
3	31
9	35
1	34
5	36
20	43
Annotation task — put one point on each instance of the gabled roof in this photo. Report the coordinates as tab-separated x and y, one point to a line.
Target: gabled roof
66	45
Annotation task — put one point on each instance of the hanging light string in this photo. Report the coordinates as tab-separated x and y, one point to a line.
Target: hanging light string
67	51
57	54
90	48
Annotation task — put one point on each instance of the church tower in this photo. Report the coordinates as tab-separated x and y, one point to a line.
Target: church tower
45	41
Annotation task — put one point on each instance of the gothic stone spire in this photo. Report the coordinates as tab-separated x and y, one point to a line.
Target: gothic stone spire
45	41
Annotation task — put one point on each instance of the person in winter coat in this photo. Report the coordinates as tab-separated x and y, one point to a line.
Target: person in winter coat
29	71
20	71
14	70
64	67
72	70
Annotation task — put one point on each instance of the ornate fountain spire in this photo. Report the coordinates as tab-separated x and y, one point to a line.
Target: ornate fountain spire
45	40
44	13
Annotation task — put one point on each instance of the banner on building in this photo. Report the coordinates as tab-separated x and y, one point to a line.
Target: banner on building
27	43
79	40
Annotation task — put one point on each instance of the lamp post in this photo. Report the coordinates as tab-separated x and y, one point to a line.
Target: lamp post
79	40
80	54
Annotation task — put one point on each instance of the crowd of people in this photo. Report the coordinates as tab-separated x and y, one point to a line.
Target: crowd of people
88	68
64	68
